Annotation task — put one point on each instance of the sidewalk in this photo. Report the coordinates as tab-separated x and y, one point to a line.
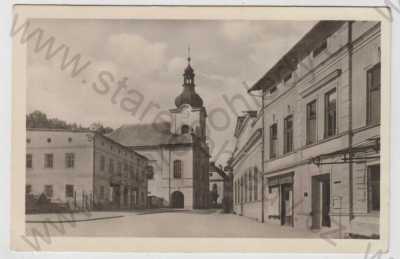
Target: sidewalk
74	216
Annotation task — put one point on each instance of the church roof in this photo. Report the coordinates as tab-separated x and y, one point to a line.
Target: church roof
142	135
189	96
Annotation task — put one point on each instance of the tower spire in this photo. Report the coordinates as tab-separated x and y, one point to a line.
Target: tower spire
189	59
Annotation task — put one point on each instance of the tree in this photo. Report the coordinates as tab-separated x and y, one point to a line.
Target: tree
98	127
38	119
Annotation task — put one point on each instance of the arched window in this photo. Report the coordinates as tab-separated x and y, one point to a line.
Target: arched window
185	129
177	169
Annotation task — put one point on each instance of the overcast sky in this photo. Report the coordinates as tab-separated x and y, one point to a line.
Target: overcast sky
152	55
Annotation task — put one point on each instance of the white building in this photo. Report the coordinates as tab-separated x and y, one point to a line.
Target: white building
321	119
176	149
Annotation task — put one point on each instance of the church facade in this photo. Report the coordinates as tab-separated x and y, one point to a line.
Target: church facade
176	150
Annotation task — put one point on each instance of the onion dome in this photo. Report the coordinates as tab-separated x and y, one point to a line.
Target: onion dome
189	95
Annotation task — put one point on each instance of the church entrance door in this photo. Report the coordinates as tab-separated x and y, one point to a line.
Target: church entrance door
177	200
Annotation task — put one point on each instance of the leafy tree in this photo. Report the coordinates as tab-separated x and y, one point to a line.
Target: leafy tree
38	119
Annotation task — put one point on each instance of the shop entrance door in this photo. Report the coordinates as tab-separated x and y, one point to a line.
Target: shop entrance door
321	198
287	204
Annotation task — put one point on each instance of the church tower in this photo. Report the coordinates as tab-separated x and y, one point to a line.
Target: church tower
189	124
190	113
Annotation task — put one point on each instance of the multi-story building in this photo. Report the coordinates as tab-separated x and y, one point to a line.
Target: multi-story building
321	117
84	170
246	165
177	149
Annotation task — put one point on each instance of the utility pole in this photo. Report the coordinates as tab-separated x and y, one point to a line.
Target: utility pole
262	154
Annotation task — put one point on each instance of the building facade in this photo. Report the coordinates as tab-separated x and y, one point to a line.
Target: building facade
246	166
84	170
176	149
321	117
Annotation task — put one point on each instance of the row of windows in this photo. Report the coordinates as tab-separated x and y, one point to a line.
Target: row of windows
330	112
49	160
49	191
246	187
316	52
28	140
69	191
120	166
119	151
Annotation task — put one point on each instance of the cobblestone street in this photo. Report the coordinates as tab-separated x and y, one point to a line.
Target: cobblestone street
179	223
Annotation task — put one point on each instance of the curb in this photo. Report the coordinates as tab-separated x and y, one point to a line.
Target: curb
71	221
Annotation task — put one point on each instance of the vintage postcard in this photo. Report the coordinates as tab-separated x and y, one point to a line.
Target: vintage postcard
143	128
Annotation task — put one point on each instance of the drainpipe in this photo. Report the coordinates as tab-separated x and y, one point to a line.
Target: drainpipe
350	134
262	155
169	176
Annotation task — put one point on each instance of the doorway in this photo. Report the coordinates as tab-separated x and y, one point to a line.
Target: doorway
287	204
321	200
177	199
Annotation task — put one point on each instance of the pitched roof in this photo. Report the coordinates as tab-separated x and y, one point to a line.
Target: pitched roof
142	135
320	31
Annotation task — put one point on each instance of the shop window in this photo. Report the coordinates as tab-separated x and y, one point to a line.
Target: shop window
311	122
374	180
330	113
374	95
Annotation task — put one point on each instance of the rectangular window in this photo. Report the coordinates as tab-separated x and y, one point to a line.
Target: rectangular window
273	140
288	134
321	47
29	162
374	95
102	192
255	184
48	161
69	160
28	189
245	187
119	168
330	113
177	169
48	190
102	163
111	166
250	186
374	181
241	190
69	191
311	122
